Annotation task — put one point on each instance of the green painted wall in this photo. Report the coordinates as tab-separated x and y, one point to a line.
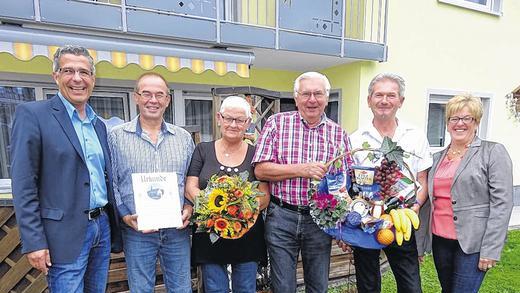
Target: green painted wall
277	80
347	78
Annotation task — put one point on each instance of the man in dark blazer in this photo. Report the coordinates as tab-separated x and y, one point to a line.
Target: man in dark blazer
61	179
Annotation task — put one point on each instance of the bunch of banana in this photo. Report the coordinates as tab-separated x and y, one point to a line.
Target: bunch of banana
403	220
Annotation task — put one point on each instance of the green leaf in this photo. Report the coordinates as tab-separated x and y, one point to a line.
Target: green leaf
365	145
392	151
338	164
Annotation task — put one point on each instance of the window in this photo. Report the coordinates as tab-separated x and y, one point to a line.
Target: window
199	112
489	6
105	104
436	127
10	97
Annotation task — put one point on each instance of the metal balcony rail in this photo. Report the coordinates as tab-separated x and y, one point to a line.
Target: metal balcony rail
364	20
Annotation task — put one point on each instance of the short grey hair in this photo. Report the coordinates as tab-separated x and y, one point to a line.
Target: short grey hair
236	102
74	50
309	75
387	76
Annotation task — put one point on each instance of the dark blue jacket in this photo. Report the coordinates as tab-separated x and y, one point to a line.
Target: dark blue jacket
51	183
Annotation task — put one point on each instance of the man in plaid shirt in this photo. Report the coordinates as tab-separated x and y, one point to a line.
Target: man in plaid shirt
291	151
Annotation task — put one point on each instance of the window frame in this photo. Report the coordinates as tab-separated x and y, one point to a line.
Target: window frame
42	89
178	99
5	183
123	94
492	6
483	130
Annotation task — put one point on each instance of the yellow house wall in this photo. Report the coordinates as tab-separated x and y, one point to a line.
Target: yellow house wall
437	46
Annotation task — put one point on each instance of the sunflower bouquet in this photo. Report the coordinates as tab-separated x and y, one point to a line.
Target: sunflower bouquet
228	207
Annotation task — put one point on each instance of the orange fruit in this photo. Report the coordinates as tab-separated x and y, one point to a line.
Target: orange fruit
385	236
386	217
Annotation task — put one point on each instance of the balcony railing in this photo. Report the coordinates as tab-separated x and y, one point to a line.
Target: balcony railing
344	28
362	19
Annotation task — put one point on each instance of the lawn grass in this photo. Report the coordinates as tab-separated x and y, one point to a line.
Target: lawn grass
504	278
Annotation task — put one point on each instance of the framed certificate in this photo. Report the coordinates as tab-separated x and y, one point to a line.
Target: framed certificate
157	200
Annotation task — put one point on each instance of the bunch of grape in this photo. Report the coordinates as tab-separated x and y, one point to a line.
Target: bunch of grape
387	175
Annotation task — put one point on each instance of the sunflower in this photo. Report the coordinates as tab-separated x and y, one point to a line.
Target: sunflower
217	201
221	224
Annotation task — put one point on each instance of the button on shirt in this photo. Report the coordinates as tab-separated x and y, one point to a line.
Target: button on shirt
92	152
287	139
134	152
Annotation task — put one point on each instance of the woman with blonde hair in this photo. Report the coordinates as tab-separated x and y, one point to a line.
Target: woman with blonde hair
470	188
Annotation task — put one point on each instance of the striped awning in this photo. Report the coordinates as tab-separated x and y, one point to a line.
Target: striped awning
25	44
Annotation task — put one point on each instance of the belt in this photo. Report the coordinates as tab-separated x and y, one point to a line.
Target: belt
95	212
302	210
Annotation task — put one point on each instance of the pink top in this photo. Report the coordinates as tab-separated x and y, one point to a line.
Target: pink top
442	220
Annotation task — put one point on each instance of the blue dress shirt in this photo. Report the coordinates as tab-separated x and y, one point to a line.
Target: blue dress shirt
92	152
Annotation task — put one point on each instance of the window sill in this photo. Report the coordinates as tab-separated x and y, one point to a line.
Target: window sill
471	6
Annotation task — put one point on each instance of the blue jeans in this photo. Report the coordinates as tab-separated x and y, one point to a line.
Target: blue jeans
171	246
89	272
243	277
288	233
402	259
457	271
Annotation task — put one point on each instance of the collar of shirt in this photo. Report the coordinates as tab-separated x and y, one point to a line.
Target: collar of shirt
135	127
323	119
370	130
71	110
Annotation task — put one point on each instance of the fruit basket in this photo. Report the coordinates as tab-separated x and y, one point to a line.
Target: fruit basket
367	206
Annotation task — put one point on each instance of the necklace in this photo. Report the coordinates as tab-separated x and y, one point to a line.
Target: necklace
228	152
457	152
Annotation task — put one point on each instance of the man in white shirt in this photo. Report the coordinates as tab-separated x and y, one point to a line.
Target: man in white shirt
385	97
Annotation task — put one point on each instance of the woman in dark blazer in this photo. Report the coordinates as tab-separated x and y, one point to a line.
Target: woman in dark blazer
470	188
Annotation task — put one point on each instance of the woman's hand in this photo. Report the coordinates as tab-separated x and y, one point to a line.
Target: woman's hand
485	264
264	200
420	258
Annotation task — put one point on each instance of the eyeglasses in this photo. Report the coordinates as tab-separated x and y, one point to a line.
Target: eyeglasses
148	95
83	73
229	120
307	95
465	119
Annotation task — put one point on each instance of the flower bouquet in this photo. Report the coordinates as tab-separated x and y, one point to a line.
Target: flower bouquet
377	210
228	207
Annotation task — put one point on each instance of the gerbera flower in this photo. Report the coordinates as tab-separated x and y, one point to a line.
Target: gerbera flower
221	224
248	214
217	201
237	226
232	210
